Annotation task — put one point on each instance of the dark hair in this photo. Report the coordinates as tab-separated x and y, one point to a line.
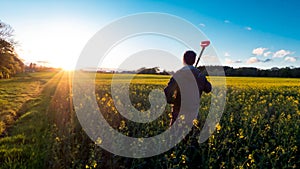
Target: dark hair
189	57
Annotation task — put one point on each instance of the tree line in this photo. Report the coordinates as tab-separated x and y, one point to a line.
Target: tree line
289	72
10	63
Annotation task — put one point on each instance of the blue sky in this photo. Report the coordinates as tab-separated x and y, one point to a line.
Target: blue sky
247	33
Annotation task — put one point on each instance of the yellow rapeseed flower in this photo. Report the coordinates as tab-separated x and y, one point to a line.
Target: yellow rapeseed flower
195	122
183	158
267	127
240	134
57	139
173	155
250	157
254	120
218	127
231	118
98	141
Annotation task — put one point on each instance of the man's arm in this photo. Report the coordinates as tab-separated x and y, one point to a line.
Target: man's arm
205	85
170	89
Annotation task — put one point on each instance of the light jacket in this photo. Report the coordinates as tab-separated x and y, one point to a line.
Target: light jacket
172	91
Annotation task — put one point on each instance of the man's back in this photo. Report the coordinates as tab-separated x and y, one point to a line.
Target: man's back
184	75
184	90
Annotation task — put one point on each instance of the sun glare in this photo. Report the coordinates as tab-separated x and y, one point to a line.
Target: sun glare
68	67
58	43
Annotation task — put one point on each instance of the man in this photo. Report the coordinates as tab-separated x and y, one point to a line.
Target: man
184	79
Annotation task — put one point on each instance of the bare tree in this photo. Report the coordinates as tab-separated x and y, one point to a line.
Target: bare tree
10	63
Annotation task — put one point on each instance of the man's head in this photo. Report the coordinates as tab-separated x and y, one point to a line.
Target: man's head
189	57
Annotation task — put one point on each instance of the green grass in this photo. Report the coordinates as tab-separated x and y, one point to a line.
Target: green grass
15	92
27	141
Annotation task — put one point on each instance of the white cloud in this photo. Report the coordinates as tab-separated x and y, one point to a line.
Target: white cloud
256	60
253	60
248	28
259	51
290	59
281	53
202	25
229	61
226	21
226	54
267	54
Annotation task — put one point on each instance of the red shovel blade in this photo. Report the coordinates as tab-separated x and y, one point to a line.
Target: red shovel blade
205	43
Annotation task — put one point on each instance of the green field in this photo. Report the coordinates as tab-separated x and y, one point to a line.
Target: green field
39	129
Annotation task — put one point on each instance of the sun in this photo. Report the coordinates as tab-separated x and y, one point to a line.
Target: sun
68	67
58	42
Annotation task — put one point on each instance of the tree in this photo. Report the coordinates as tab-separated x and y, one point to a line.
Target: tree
143	70
10	63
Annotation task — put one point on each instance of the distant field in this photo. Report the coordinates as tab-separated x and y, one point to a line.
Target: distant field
230	81
259	127
253	82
